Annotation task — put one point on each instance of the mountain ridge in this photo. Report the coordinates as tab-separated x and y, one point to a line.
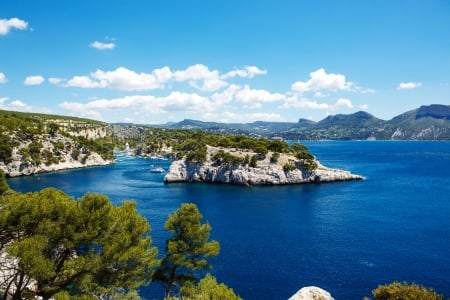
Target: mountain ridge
428	122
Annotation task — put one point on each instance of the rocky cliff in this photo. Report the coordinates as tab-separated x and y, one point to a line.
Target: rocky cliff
265	173
37	143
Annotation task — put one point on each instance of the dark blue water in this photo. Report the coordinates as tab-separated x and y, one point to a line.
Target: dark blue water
344	237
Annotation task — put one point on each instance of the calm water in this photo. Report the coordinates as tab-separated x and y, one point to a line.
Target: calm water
344	237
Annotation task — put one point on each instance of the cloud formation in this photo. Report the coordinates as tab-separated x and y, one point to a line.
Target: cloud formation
408	85
207	94
304	103
102	46
15	105
34	80
3	78
14	23
320	80
197	76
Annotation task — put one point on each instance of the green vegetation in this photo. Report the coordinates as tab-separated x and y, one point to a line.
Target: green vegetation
6	146
289	167
70	247
405	291
187	249
3	184
208	289
222	157
192	145
91	249
30	131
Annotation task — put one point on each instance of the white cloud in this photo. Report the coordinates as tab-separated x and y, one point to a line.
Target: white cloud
175	101
14	23
229	117
248	72
252	98
225	97
364	107
2	101
19	105
128	80
408	85
34	80
3	78
197	76
54	80
102	46
83	82
343	103
304	103
320	80
210	79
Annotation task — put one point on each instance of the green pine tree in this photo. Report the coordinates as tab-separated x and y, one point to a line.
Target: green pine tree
187	250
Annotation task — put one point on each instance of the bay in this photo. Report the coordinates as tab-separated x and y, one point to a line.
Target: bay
346	237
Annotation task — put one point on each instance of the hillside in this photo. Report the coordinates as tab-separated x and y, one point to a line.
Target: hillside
35	143
430	122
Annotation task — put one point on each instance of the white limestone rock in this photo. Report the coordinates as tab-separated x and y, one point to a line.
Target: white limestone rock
265	173
311	293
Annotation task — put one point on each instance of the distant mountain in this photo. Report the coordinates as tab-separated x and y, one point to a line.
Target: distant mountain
425	123
430	122
358	119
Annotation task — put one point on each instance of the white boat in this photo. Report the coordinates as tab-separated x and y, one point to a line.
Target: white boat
156	169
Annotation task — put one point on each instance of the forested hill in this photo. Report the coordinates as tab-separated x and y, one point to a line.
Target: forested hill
430	122
32	143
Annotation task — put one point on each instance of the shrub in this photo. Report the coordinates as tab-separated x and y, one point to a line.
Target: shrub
274	158
254	161
405	291
289	167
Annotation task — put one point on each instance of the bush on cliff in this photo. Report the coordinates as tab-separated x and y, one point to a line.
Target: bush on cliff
405	291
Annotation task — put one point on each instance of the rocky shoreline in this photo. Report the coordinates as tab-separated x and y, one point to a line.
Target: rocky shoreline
265	173
18	168
185	171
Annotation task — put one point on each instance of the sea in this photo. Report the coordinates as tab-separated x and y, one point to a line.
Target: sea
345	237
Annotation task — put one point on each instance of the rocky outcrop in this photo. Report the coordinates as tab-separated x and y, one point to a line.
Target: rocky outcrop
64	152
266	173
18	168
311	293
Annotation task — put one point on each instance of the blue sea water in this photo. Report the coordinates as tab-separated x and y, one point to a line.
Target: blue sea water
346	237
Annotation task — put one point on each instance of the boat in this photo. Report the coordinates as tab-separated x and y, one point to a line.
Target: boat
156	169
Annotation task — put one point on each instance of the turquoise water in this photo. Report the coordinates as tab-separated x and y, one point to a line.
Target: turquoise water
344	237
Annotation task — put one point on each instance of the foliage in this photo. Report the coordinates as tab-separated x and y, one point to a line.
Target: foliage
222	157
3	184
254	161
27	128
274	158
207	289
71	247
289	167
405	291
5	148
301	153
187	250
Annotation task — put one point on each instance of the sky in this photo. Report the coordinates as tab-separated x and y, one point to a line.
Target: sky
152	62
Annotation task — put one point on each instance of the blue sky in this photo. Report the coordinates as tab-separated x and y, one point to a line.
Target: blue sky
229	61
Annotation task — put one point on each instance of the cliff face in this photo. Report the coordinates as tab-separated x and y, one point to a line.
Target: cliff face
56	153
265	173
37	143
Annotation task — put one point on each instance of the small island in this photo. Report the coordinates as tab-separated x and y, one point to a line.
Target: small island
246	167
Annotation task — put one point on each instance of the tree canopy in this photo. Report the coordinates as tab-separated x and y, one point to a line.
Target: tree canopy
188	248
62	246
